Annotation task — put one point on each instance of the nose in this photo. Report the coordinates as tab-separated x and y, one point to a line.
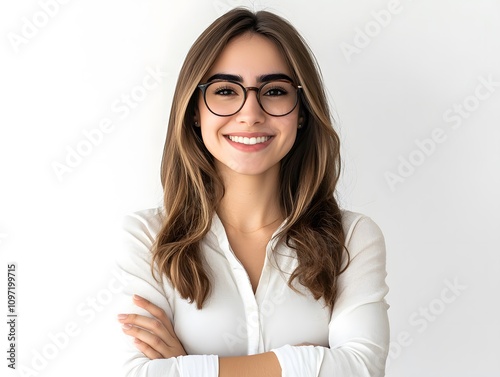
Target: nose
251	112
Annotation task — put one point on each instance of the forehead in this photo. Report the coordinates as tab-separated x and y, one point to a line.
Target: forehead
250	56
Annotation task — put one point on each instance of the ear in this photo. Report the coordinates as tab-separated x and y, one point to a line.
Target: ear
303	118
196	116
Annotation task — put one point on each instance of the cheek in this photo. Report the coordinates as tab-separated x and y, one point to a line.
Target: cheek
206	119
290	140
210	126
210	133
290	131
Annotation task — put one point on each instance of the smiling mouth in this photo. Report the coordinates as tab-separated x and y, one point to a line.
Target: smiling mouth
248	140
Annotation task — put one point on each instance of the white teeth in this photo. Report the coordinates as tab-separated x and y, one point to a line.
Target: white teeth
249	140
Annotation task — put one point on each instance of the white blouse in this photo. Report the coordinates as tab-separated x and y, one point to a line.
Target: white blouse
352	341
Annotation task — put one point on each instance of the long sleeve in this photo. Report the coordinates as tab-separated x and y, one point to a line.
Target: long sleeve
359	326
133	263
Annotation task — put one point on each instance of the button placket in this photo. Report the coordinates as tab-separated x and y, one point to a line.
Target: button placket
251	302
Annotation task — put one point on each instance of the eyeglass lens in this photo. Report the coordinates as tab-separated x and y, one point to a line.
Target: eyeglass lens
227	97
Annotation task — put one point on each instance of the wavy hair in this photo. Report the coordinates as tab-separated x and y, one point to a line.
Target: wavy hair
308	173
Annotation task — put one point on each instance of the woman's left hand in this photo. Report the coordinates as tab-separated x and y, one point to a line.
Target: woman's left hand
154	337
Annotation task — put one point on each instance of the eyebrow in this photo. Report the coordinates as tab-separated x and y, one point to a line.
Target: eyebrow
260	79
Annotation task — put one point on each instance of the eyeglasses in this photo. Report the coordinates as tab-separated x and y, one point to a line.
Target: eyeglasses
226	98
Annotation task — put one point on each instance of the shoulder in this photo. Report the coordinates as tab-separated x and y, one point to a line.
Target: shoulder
359	227
138	233
361	232
139	230
363	281
143	225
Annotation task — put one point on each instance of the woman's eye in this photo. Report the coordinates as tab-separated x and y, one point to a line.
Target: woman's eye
275	92
224	91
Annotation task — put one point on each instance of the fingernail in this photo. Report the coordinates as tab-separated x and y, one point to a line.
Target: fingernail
126	326
121	316
137	297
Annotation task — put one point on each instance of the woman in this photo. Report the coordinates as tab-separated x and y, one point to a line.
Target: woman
250	268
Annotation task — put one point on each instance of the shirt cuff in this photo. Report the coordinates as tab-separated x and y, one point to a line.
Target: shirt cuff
198	365
299	361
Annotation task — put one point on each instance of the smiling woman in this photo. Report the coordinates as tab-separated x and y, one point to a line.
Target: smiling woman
250	268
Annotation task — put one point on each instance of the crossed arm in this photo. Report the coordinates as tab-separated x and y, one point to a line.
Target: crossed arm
156	339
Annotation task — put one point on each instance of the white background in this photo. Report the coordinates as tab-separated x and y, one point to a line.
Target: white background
398	85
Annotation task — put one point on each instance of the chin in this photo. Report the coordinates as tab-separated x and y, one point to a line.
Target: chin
249	169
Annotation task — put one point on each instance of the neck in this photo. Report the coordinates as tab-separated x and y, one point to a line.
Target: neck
251	202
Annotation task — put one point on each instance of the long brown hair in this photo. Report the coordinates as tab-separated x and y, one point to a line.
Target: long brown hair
308	173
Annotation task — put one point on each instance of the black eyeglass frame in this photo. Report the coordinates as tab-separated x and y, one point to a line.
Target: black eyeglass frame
203	88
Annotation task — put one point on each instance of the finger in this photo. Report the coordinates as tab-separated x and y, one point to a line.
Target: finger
151	340
307	344
151	324
150	307
147	350
155	311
